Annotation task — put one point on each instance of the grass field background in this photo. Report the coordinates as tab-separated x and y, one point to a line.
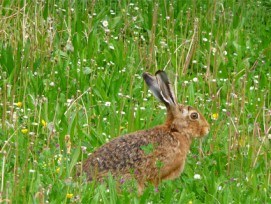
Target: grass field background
71	79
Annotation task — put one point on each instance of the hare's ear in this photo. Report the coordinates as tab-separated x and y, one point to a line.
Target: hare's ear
165	87
154	87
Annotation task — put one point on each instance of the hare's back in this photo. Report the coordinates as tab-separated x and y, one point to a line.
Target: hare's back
122	153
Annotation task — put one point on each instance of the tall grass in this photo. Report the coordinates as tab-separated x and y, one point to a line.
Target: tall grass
70	80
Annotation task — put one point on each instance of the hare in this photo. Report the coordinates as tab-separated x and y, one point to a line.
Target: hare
155	154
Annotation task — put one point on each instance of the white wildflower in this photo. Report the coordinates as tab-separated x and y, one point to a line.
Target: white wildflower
195	79
197	176
32	133
105	23
162	107
107	103
69	102
83	148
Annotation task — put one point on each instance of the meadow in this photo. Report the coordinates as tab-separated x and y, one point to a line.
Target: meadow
71	80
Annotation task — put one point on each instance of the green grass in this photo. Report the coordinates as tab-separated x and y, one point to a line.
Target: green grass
61	64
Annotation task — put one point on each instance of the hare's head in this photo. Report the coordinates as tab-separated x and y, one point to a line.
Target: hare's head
188	120
180	118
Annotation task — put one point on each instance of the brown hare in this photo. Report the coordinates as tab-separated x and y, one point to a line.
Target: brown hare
155	154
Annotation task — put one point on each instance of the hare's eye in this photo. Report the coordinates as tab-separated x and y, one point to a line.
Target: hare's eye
194	116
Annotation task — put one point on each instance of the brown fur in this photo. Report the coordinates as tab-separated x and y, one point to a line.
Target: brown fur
168	145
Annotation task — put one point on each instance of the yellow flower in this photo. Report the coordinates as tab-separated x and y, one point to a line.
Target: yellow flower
19	104
69	195
58	170
44	124
24	130
59	160
215	116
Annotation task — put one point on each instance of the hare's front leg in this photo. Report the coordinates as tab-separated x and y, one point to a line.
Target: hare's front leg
140	187
173	167
174	173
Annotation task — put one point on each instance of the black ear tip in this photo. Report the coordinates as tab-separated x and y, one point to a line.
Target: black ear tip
159	71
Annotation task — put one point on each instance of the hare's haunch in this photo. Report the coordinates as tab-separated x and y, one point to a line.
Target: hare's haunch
155	154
